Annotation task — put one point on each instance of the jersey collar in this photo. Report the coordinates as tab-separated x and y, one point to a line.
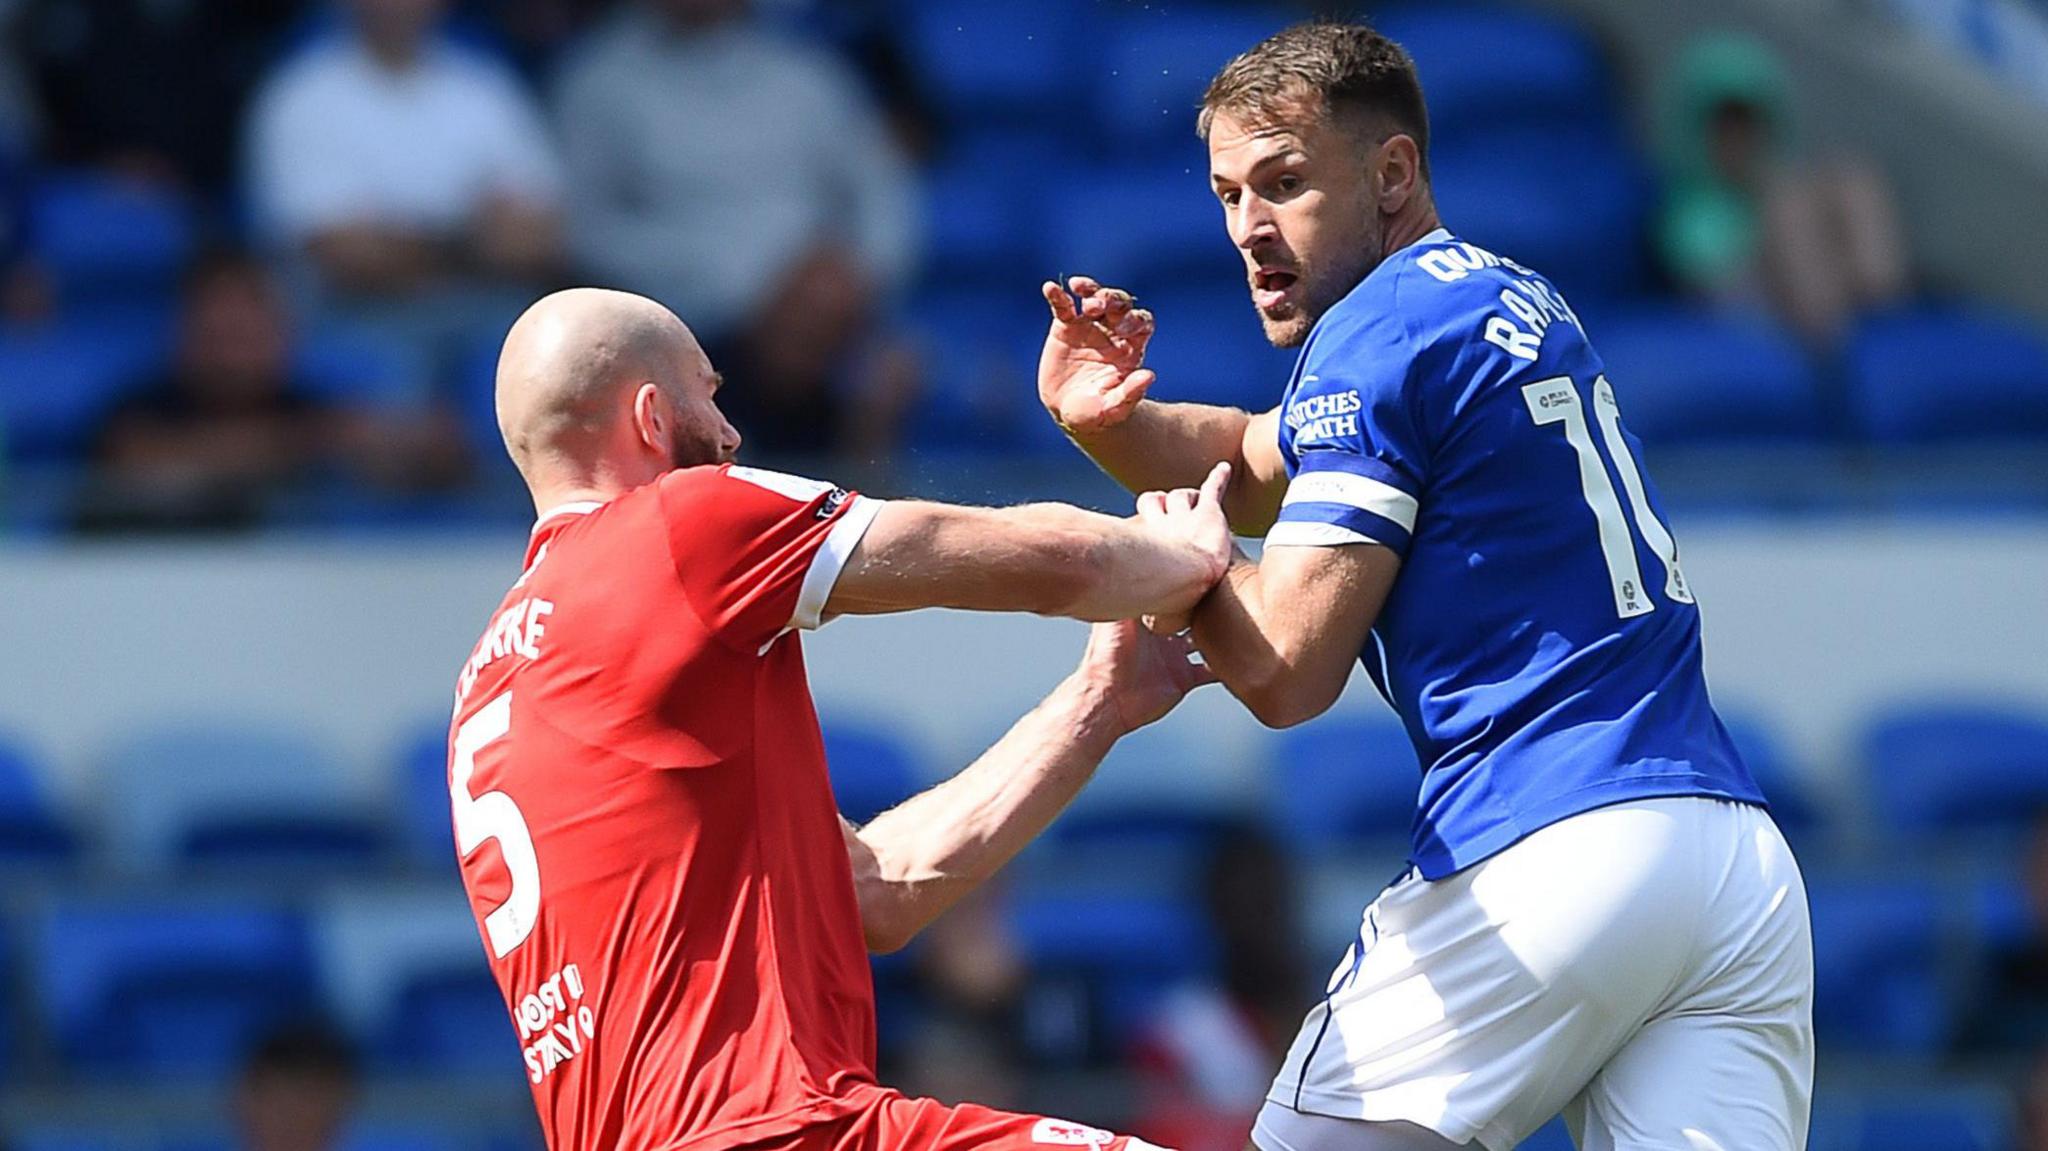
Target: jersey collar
579	508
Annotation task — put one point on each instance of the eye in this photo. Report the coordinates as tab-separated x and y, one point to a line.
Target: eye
1229	197
1288	184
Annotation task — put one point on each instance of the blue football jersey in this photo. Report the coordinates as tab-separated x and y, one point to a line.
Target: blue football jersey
1540	642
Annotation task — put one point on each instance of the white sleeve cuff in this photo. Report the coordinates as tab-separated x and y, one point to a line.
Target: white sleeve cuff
831	559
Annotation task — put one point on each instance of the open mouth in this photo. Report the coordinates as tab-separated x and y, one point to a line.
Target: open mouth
1270	286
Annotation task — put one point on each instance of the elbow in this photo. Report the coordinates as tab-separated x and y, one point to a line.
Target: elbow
1280	696
885	938
887	921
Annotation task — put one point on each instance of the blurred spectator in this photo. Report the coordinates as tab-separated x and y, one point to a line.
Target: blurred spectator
750	184
24	292
153	88
2011	1014
414	176
296	1091
1211	1049
230	429
1745	226
973	979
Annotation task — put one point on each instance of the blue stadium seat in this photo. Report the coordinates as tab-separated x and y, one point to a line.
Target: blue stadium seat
873	769
229	796
1793	805
31	830
1129	950
167	990
425	825
1157	62
1958	1121
1685	374
1568	204
1342	779
357	366
985	210
103	236
1957	768
1146	229
981	357
1010	61
1209	347
1877	948
58	381
1488	69
1942	374
409	977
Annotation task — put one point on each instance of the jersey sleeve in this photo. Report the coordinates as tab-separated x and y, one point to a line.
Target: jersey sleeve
1357	437
757	551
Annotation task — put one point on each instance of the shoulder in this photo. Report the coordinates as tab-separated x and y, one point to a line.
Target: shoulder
474	70
321	72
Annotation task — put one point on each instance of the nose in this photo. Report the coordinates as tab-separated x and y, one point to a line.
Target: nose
731	437
1252	223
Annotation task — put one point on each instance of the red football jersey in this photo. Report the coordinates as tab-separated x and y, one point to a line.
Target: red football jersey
648	836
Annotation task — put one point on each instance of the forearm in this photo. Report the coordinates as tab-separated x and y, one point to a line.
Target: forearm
919	858
1047	559
1285	646
1164	446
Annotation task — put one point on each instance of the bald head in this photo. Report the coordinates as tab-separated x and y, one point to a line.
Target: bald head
591	380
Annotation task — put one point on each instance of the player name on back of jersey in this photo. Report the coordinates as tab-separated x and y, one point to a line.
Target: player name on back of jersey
1531	302
516	631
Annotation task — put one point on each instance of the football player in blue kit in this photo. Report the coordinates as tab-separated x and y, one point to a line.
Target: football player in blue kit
1600	917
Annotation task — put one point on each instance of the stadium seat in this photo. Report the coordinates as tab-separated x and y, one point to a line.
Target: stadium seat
355	366
1952	1121
1343	779
1683	374
409	977
873	769
166	990
1146	229
1793	806
1944	374
31	830
1209	347
1127	950
1568	204
104	237
231	797
981	357
61	378
1488	69
1957	768
1156	63
1877	948
425	826
985	209
1017	62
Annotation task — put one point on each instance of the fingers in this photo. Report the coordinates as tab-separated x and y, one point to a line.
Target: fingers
1218	481
1152	504
1062	304
1127	394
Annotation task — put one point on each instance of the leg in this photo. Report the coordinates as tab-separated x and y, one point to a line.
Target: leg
1729	1066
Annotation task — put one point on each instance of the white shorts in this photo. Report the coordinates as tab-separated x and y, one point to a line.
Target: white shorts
1645	968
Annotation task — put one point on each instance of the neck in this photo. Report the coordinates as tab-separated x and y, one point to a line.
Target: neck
393	53
1412	223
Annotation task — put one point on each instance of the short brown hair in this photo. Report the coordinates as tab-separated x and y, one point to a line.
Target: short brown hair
1344	67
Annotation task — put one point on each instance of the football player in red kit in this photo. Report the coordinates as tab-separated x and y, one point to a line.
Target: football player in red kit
672	904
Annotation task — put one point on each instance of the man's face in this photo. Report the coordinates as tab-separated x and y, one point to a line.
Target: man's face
235	347
293	1110
398	21
1300	199
699	432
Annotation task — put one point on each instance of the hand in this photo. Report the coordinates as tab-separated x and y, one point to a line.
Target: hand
1191	517
1091	374
1138	676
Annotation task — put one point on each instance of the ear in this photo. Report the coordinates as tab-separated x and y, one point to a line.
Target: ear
1400	172
650	419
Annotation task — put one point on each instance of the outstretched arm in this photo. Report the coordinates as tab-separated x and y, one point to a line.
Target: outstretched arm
919	858
1050	559
1092	384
